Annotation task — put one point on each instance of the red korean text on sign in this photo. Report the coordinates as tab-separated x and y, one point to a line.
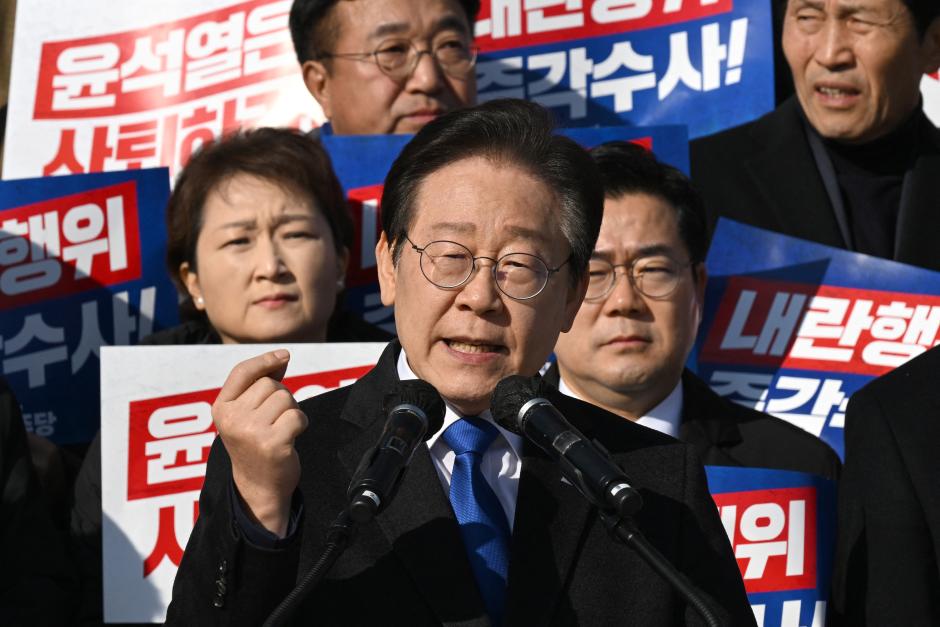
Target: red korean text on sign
69	245
365	208
170	436
171	63
773	534
167	545
161	139
820	327
504	24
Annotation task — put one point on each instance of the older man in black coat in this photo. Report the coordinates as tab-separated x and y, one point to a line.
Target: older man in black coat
488	222
850	161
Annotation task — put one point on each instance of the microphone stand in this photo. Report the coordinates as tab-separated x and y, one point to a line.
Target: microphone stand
625	530
337	539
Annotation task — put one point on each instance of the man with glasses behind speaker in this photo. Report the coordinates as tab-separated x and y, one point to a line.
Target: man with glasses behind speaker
627	348
385	66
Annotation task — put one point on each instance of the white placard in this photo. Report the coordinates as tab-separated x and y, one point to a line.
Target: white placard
156	429
109	86
930	88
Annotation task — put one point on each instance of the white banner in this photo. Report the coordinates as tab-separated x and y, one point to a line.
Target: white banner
156	431
112	86
930	88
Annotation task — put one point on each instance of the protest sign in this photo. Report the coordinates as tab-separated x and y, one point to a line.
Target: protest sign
112	87
361	164
157	431
81	266
782	527
793	328
155	438
108	86
704	63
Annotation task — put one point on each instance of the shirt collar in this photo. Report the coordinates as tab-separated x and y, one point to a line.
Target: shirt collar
405	373
665	417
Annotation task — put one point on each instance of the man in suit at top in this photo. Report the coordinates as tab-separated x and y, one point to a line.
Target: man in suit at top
488	222
627	348
887	568
385	66
851	161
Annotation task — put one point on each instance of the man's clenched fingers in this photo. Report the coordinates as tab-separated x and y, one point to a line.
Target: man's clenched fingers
272	364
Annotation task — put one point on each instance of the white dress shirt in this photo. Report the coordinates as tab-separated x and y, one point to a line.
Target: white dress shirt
664	418
501	464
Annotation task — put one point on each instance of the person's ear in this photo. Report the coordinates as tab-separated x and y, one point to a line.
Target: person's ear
190	279
317	78
573	300
386	269
930	46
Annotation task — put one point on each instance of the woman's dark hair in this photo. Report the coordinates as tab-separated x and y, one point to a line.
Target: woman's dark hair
286	157
514	132
627	168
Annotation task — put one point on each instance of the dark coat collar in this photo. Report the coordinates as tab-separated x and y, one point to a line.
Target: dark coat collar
794	190
705	423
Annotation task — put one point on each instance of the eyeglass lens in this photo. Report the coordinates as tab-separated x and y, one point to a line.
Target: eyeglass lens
653	276
399	57
449	264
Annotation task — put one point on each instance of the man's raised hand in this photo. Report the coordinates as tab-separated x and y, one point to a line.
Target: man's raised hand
258	421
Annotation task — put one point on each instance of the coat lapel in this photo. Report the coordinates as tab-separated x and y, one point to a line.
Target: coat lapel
919	217
551	518
419	523
705	425
785	171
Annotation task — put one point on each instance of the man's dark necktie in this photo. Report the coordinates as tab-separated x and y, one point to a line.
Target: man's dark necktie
482	520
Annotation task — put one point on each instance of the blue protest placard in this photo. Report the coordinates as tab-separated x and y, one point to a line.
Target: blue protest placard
82	264
793	328
782	527
361	163
704	63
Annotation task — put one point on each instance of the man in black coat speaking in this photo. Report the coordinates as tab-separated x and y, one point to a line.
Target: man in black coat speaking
851	161
488	223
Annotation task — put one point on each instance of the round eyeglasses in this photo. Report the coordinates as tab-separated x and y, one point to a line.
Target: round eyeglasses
398	58
655	277
449	265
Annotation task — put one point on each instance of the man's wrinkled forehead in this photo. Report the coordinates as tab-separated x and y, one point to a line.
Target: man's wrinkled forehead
381	26
447	21
849	7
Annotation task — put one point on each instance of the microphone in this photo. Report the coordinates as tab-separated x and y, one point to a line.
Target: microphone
519	405
415	411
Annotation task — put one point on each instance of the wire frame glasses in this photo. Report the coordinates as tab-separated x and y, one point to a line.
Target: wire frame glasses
398	58
655	277
450	265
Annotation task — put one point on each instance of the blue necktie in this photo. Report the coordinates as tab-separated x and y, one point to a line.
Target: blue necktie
482	520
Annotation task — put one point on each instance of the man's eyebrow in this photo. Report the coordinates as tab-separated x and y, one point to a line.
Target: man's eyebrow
446	22
651	250
809	4
462	228
457	227
389	28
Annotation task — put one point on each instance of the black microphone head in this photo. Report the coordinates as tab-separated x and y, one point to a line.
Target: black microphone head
423	395
510	395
